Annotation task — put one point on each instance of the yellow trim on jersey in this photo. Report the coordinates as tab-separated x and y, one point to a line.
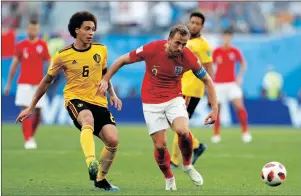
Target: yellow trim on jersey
191	85
83	71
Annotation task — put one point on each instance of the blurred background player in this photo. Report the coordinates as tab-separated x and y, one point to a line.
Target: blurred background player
55	44
192	88
84	64
31	52
163	103
228	85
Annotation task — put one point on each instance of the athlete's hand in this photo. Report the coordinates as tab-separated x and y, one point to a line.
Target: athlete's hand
6	90
23	115
239	80
103	86
211	118
116	102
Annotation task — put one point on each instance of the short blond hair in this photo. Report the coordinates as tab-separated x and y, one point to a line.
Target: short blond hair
182	29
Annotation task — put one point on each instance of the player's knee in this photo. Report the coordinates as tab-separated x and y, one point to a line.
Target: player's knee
112	141
160	144
182	131
88	120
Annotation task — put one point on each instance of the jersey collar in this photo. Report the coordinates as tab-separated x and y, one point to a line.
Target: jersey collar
84	50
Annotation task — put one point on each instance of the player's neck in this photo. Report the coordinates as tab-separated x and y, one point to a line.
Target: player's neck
32	39
80	45
227	46
195	36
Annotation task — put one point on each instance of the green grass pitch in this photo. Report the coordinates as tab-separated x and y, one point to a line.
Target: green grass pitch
231	167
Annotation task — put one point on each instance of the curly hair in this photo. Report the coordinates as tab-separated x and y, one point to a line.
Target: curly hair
77	20
199	15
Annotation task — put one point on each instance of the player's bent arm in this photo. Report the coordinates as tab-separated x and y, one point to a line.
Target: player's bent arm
121	61
41	90
12	70
209	68
242	69
206	79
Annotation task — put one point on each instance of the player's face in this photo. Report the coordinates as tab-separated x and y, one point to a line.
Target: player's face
33	30
227	39
176	45
195	26
86	32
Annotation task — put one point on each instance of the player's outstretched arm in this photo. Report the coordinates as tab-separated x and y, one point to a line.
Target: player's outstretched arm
121	61
12	73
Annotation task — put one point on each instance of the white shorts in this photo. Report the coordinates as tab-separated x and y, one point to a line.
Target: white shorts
25	93
227	91
158	116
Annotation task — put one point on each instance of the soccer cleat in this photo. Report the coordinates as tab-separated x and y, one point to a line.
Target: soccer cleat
170	184
194	175
246	137
173	166
216	139
198	152
93	169
30	144
105	185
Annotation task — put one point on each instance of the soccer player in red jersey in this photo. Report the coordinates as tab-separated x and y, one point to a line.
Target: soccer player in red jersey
31	52
228	86
163	102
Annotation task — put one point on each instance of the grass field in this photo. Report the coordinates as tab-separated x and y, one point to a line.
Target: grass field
57	167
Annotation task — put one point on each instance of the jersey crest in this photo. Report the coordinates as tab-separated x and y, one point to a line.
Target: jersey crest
178	70
97	58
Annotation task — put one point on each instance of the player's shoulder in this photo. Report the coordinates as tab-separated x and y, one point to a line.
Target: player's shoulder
204	41
21	43
234	48
67	48
97	45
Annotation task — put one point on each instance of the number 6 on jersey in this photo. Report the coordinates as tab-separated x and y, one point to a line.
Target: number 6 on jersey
85	71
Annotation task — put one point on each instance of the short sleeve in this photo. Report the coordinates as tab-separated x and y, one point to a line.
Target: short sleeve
191	60
206	56
143	52
18	51
214	55
105	58
55	65
238	56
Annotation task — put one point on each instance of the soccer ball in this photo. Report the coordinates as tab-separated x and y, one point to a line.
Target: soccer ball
273	173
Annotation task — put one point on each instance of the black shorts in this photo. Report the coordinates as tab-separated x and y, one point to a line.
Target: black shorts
102	116
192	104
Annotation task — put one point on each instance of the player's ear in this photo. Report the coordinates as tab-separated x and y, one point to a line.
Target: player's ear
76	30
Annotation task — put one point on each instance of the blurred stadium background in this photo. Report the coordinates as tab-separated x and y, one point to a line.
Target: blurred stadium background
268	34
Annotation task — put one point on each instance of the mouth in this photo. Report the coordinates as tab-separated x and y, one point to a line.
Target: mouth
89	39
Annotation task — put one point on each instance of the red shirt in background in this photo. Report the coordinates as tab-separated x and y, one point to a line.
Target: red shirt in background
225	60
32	56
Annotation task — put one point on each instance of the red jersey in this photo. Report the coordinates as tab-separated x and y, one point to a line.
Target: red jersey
32	56
225	60
162	78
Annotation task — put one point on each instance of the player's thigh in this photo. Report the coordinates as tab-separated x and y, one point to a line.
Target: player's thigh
160	139
180	125
235	95
176	109
80	113
238	103
155	118
109	135
191	105
104	124
24	95
221	92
